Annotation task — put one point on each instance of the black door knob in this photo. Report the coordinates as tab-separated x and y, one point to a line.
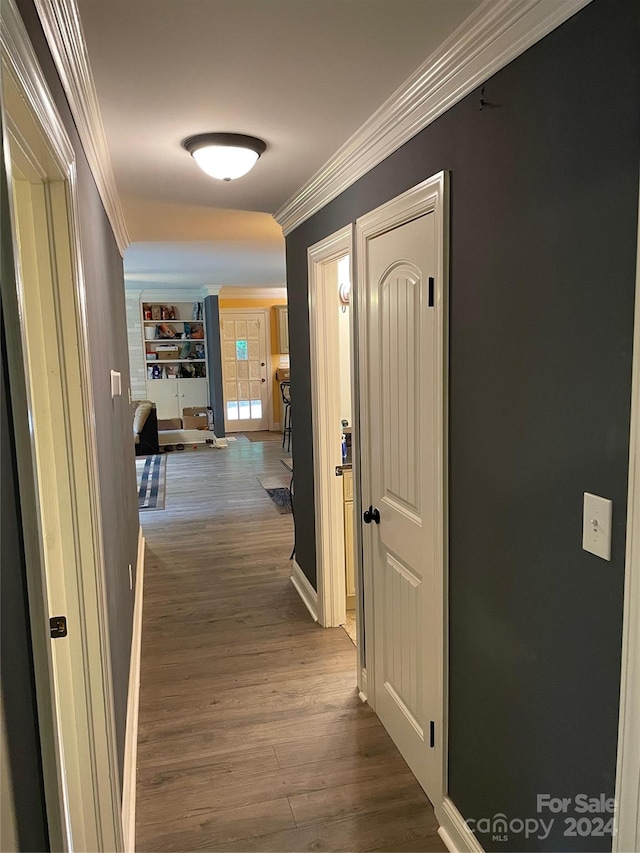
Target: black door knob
371	514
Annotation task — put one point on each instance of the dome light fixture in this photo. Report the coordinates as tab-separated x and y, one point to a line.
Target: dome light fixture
225	156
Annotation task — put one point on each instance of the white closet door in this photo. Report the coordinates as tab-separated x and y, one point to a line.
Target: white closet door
405	490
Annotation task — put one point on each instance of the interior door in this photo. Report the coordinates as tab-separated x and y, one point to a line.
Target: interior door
406	490
244	371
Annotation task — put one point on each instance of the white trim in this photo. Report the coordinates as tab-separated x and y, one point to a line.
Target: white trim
362	684
304	589
227	292
210	290
454	831
324	348
157	293
60	500
430	196
133	705
491	37
62	27
627	835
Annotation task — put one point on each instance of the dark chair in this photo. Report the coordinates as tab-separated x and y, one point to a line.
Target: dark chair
285	390
145	428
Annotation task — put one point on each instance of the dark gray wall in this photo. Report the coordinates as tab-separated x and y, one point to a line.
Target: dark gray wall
109	350
544	202
16	656
214	364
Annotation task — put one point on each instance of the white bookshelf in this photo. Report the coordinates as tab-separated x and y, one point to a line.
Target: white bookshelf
179	381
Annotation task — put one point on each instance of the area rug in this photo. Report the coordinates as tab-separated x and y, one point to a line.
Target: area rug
277	487
263	435
150	473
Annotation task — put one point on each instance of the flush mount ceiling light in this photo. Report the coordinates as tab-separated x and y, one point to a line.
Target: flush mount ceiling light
225	155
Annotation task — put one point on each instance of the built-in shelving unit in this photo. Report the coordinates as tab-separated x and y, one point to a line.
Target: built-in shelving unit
175	356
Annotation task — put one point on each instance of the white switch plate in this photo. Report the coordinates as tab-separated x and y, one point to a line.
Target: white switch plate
596	526
116	384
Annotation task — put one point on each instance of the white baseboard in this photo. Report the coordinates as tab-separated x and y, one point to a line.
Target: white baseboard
362	685
454	831
133	704
306	592
220	442
448	843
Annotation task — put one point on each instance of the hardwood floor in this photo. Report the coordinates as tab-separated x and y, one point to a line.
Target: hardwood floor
252	736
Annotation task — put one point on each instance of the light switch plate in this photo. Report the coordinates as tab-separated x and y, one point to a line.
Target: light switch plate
116	384
596	525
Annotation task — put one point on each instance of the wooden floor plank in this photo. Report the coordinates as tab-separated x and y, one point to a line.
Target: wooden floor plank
251	733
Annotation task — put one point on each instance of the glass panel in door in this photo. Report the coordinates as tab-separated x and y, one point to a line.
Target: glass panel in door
244	370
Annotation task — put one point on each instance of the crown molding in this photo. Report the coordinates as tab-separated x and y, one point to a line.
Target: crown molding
62	27
20	61
231	292
491	37
210	290
166	294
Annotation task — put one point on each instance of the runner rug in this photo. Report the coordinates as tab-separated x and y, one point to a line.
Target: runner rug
150	472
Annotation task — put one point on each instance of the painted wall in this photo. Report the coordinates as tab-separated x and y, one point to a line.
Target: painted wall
113	419
544	200
228	303
214	363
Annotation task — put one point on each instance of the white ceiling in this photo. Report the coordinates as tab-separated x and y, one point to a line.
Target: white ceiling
301	74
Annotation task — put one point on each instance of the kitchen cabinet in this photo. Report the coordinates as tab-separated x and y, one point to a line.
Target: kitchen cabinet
282	326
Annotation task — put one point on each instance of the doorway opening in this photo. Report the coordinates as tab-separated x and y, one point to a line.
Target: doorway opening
334	391
345	343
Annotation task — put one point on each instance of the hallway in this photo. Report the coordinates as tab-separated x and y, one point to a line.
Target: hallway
252	735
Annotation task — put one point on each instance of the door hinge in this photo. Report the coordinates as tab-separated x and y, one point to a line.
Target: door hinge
58	626
432	734
432	285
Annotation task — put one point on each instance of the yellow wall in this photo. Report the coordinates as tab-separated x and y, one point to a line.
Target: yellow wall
275	355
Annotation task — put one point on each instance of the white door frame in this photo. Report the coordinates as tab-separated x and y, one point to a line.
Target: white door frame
322	259
430	196
265	312
627	835
57	464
